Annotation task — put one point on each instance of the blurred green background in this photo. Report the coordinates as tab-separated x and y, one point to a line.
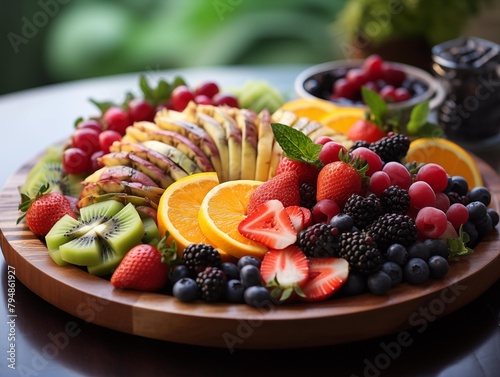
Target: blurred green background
49	41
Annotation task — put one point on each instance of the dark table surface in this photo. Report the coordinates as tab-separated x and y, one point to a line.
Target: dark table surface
50	342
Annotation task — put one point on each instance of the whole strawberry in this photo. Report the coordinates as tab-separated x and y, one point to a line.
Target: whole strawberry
307	173
339	180
365	130
144	268
283	187
44	210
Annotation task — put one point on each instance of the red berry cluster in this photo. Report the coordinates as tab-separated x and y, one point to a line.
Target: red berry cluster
93	137
375	74
207	93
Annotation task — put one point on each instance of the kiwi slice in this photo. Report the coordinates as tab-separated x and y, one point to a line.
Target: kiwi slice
151	232
49	169
101	237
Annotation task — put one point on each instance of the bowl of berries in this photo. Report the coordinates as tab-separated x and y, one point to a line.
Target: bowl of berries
402	86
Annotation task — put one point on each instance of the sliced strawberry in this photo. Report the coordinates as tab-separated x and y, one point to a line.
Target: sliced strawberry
326	276
285	272
270	225
301	217
284	187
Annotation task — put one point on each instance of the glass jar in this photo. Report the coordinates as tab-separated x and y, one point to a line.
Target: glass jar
469	70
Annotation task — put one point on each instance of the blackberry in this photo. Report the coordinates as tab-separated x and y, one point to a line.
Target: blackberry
391	228
198	256
360	250
319	241
363	210
307	195
358	144
391	148
212	283
395	200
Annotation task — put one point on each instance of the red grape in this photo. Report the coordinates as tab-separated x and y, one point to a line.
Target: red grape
180	97
373	67
421	195
457	215
402	94
94	162
117	119
108	137
221	99
400	176
141	110
86	139
323	139
208	88
379	181
90	123
374	161
202	99
356	77
435	175
75	161
324	210
343	89
392	75
330	152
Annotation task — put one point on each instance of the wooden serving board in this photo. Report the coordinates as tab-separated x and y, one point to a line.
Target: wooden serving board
160	316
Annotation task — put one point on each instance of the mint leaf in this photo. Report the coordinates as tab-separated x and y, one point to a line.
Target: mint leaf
146	90
377	105
457	246
418	118
296	145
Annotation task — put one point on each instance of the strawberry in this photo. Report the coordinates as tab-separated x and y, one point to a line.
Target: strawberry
326	276
338	180
44	210
301	217
365	130
307	173
283	187
285	272
270	225
145	267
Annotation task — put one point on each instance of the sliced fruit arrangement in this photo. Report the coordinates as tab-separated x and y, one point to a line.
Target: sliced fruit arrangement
218	203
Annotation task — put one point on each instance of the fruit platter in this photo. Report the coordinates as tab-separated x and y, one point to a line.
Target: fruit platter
243	220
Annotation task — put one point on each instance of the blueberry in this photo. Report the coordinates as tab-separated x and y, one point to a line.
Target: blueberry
186	290
419	250
471	231
394	271
480	194
178	272
354	285
484	227
438	266
257	296
250	275
397	253
437	247
342	221
231	270
477	211
459	185
248	259
379	283
416	271
494	216
234	291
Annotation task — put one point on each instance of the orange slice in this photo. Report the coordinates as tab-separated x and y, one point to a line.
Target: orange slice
313	109
452	157
223	208
342	119
179	205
